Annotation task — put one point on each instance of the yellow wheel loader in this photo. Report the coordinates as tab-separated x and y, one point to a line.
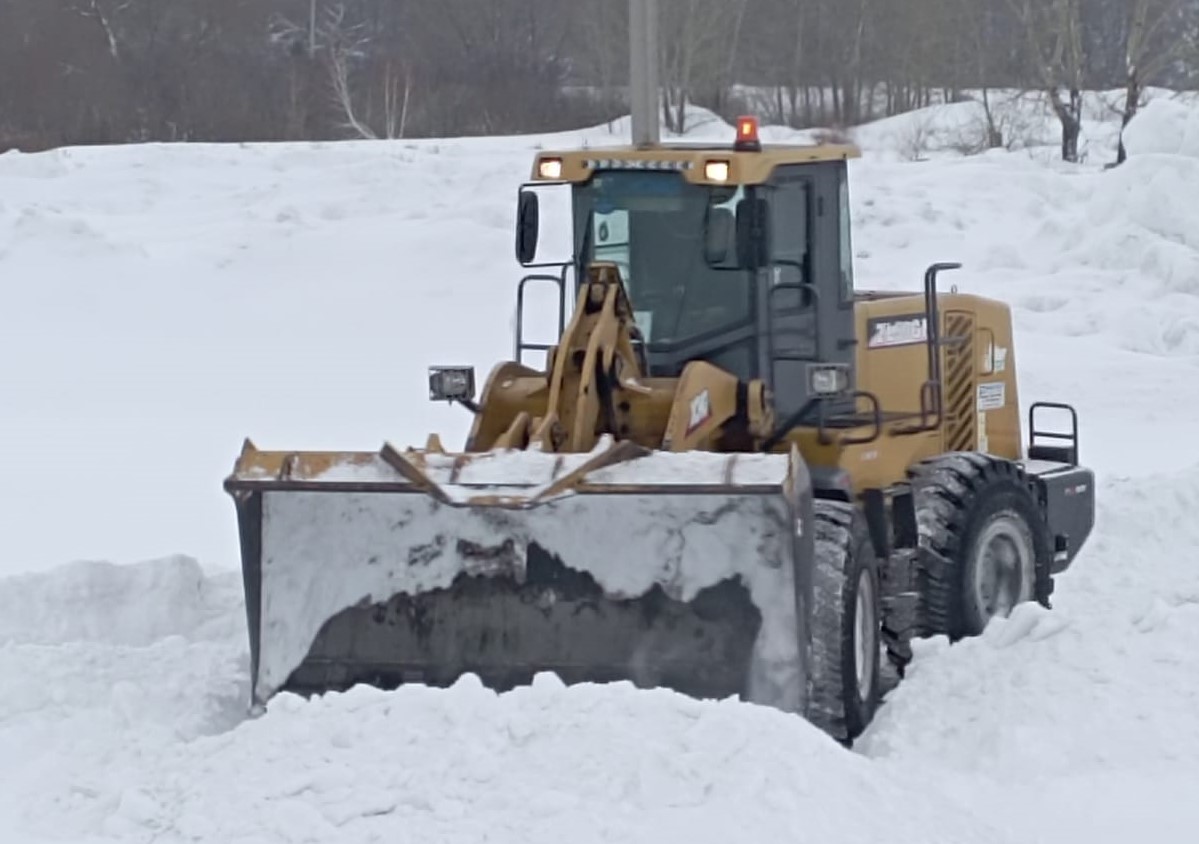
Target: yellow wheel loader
733	475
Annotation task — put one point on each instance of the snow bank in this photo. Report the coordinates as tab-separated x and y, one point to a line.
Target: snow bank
1135	229
1106	257
1096	697
99	662
126	743
1143	216
1164	127
101	602
541	764
1024	120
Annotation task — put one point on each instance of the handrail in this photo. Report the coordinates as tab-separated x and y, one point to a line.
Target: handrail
558	280
932	401
800	286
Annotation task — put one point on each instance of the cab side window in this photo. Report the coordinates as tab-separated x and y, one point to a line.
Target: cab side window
789	221
790	215
846	240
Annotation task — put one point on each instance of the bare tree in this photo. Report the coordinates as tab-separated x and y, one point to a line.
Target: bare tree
699	43
975	23
105	71
1155	41
344	44
601	44
1053	33
104	18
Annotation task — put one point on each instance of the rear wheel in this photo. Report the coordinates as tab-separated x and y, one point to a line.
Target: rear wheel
843	692
984	544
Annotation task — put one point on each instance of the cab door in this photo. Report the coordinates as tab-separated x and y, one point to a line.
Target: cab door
806	292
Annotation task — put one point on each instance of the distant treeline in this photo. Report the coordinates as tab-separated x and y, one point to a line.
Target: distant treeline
110	71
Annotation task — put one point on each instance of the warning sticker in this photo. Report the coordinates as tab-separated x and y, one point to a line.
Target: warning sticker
992	395
701	411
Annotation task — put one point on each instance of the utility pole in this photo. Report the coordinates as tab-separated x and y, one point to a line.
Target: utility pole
643	71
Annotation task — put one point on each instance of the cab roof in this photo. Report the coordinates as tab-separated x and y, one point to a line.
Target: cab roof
745	167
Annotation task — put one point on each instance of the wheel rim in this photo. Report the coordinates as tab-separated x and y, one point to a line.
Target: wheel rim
1003	568
865	651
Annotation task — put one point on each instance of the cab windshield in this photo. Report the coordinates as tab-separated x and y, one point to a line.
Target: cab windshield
654	227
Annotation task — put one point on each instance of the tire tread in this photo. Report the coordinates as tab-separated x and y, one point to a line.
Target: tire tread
947	488
839	531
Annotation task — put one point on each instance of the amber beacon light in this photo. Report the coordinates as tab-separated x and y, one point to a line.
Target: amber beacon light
747	135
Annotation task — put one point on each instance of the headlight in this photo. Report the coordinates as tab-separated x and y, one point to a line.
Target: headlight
828	380
451	383
716	171
550	168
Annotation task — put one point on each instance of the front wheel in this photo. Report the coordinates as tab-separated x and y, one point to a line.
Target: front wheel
843	688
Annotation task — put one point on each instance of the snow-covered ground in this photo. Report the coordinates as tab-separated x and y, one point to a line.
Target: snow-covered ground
160	303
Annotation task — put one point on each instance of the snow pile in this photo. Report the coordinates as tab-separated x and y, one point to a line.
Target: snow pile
113	743
1139	223
1164	127
1143	218
540	764
1108	257
98	662
1024	120
119	605
1097	697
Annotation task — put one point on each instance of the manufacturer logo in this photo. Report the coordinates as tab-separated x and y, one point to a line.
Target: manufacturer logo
887	332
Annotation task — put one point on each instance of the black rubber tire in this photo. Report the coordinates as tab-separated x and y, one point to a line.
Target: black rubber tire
958	497
843	553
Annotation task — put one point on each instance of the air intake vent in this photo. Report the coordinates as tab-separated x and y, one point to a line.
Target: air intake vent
961	431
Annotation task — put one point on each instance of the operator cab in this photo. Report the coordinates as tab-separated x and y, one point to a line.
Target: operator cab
738	257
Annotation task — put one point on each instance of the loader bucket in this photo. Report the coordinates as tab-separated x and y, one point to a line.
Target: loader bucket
689	571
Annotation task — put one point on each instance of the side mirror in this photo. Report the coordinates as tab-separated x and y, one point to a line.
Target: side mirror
753	233
720	236
528	223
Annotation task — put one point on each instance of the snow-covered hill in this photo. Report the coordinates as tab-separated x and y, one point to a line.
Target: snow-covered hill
160	303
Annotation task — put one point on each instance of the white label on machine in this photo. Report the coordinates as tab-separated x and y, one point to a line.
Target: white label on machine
701	409
1000	359
992	395
994	359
